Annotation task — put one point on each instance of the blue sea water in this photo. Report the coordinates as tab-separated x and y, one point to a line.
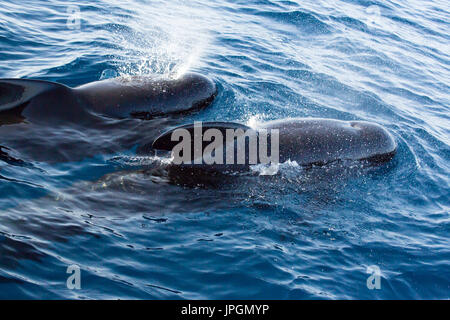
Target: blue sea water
301	234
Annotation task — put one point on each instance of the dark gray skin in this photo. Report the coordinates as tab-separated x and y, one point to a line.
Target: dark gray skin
321	141
50	122
142	97
310	141
134	97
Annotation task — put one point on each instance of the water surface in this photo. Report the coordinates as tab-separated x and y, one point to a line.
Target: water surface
301	234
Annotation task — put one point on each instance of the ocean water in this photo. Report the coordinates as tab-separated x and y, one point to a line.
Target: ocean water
83	197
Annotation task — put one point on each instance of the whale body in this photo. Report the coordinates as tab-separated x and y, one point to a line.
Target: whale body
128	97
307	141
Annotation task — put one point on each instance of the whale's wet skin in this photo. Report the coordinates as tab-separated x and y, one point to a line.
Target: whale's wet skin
31	109
305	141
80	183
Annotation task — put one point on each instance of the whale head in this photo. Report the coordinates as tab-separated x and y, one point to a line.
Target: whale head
374	142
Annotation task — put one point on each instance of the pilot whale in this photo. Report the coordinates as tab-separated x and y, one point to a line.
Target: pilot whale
307	141
47	102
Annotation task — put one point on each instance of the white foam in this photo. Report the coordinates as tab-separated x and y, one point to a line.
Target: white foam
142	160
273	169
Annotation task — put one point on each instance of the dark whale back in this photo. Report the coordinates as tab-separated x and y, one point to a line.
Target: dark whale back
140	97
15	92
143	97
310	141
39	102
320	141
